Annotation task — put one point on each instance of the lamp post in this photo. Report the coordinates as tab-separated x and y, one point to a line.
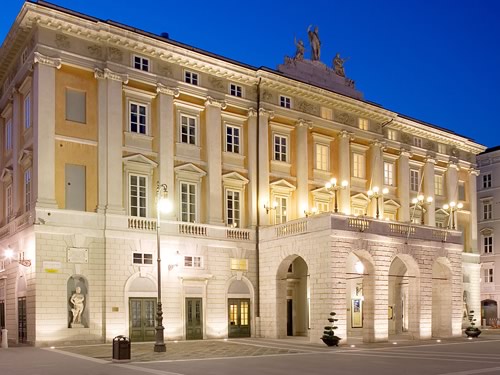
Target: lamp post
452	207
420	202
332	186
161	205
376	193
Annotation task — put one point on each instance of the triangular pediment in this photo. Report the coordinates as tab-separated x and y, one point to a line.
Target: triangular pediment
360	197
235	177
440	211
139	159
486	231
391	202
190	168
26	158
282	184
6	175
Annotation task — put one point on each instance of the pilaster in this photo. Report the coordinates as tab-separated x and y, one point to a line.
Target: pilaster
428	189
404	185
377	173
344	160
17	179
263	163
252	166
302	167
473	173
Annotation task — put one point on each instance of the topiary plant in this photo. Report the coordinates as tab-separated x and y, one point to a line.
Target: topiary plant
472	330
329	337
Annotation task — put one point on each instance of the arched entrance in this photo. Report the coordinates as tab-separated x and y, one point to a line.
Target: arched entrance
441	299
489	312
141	296
292	297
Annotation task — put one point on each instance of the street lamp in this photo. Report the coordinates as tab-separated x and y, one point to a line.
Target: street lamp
332	186
421	202
162	205
376	193
452	207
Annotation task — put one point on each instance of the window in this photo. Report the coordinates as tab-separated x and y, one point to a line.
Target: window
414	179
235	90
487	210
192	261
239	264
141	63
191	77
392	135
417	141
142	258
27	111
441	148
488	275
233	207
280	148
358	211
27	190
285	102
461	190
188	202
438	184
188	130
388	173
488	244
486	180
326	113
233	139
322	206
281	210
8	202
76	106
322	157
138	118
2	314
358	165
8	135
137	195
363	123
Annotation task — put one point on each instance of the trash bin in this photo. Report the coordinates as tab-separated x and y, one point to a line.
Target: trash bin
121	348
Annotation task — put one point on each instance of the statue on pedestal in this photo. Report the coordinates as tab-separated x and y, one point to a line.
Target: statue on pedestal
338	65
77	300
315	43
299	52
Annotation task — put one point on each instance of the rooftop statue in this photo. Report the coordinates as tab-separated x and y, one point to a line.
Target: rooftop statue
299	52
315	43
338	64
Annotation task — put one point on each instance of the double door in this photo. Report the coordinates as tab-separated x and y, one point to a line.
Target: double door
239	317
142	319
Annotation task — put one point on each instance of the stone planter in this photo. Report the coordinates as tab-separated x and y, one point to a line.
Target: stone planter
331	341
474	332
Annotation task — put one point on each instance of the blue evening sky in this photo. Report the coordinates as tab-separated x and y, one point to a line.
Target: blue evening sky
434	60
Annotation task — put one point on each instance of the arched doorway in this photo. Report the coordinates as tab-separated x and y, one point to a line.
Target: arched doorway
441	299
141	301
239	309
293	297
489	312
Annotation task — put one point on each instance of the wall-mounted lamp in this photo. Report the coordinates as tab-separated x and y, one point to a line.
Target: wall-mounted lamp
9	254
176	261
268	208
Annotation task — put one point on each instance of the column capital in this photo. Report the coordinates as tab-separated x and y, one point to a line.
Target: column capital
252	112
430	159
266	112
109	74
303	123
216	103
162	89
54	62
405	152
378	143
346	134
473	171
453	164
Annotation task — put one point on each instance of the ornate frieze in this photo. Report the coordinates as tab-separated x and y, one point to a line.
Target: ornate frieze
62	41
162	89
307	107
345	118
115	54
216	83
95	51
54	62
109	74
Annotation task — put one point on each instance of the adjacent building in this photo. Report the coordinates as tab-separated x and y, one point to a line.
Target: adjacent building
97	118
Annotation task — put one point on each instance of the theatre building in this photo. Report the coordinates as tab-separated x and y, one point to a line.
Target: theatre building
98	120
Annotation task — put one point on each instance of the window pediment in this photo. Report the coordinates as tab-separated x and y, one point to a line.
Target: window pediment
189	172
282	186
6	175
234	179
139	163
486	231
26	158
360	198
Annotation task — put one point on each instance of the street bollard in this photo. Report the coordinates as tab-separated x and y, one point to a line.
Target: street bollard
5	343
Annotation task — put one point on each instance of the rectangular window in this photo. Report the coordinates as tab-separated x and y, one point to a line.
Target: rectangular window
392	135
142	258
322	206
138	118
235	90
488	275
363	123
461	191
358	165
488	244
233	139
233	207
27	111
388	173
326	113
487	210
188	202
2	314
417	142
441	148
285	101
438	185
76	106
8	135
8	202
27	190
192	261
322	157
239	264
280	148
188	130
137	194
486	180
281	210
141	63
191	77
414	179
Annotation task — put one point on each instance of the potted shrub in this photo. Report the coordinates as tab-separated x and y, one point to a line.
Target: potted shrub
472	330
329	337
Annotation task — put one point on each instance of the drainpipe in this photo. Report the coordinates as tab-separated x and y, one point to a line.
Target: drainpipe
257	229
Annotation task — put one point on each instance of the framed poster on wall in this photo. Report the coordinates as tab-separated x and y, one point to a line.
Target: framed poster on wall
357	313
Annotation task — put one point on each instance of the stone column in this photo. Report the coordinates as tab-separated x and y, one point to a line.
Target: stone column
166	121
473	173
344	160
263	164
452	185
44	122
111	111
377	175
404	185
102	148
302	198
252	167
428	189
214	160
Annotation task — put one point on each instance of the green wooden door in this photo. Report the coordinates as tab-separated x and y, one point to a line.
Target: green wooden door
142	319
194	322
239	317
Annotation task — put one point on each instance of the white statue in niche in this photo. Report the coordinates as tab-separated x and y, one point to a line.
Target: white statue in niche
77	301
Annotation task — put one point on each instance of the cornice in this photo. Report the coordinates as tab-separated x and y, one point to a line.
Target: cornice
53	62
